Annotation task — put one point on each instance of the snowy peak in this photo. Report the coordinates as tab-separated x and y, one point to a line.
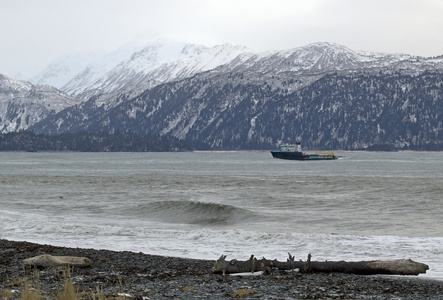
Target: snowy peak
149	63
11	86
64	69
322	56
312	61
168	51
318	58
152	56
23	104
161	61
84	67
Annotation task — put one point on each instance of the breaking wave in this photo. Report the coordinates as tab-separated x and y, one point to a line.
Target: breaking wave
194	212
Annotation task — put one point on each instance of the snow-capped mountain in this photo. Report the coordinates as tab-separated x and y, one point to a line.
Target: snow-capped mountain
338	111
85	68
160	61
299	67
64	69
23	104
228	96
164	60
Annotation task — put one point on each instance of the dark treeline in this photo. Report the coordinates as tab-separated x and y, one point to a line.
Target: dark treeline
432	146
131	142
92	142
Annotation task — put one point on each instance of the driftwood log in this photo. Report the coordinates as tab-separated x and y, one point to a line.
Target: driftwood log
392	267
46	260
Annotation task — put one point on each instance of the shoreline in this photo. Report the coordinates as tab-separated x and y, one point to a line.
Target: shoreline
144	276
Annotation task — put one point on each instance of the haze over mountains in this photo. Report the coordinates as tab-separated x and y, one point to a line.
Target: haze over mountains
231	97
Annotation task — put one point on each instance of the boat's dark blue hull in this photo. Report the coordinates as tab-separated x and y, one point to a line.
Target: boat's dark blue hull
301	156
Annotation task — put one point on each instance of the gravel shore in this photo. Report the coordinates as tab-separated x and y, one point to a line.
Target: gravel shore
142	276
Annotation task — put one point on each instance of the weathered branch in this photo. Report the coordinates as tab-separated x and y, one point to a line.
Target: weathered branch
393	267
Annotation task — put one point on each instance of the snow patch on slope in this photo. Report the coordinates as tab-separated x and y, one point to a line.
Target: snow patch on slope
160	61
23	104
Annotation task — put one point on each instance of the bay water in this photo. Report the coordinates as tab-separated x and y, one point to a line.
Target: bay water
363	206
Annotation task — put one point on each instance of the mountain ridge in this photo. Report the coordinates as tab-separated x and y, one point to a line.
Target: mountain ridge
163	60
338	111
23	103
230	97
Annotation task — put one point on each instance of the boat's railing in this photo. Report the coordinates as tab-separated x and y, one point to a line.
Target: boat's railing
287	147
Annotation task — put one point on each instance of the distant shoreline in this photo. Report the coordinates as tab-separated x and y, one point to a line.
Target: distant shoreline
130	142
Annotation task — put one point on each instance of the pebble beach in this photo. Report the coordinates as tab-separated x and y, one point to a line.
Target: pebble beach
142	276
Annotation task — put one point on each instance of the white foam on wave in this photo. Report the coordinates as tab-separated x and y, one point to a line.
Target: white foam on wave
207	243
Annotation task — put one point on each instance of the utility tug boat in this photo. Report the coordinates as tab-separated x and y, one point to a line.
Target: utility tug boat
293	151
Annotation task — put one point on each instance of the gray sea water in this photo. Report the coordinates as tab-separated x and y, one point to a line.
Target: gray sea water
364	206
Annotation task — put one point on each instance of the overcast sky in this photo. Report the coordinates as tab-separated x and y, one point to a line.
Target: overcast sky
34	32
